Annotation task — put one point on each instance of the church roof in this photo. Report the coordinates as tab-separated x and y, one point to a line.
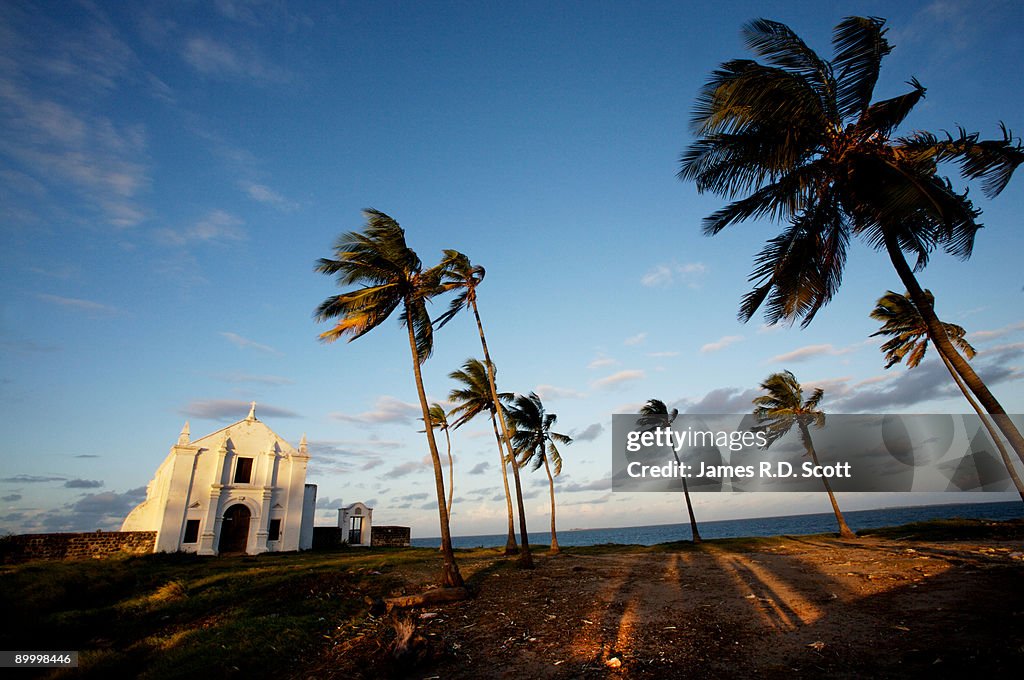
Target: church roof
249	434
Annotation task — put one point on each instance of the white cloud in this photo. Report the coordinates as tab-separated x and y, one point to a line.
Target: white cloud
550	392
665	275
662	355
589	433
619	378
94	308
810	352
634	340
720	344
102	162
231	410
239	341
215	226
261	193
218	60
602	360
982	336
386	410
273	380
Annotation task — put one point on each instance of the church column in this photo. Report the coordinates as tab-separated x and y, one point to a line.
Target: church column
214	516
266	474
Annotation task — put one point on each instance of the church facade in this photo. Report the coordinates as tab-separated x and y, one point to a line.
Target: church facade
241	489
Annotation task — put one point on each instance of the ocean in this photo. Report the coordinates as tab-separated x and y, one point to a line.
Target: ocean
761	526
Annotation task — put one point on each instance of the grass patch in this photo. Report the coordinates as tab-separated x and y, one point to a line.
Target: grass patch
177	616
956	529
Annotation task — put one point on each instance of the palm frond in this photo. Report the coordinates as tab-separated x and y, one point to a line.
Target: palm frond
781	47
991	160
860	46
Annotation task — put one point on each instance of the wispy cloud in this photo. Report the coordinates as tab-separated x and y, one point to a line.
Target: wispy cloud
666	275
217	226
589	433
31	479
720	344
56	144
634	340
480	468
617	379
103	163
261	193
982	336
662	355
240	341
231	410
602	360
386	409
810	352
217	59
83	484
88	306
271	380
407	468
550	392
596	485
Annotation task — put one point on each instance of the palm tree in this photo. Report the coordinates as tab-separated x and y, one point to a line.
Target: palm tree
391	276
655	414
460	274
902	322
783	406
797	139
472	399
439	421
534	441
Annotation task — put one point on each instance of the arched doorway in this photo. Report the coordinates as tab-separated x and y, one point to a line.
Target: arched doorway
234	530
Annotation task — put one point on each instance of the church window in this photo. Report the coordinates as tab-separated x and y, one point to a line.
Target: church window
275	530
243	471
191	531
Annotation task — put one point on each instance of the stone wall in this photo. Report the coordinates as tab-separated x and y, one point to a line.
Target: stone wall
326	538
97	544
390	537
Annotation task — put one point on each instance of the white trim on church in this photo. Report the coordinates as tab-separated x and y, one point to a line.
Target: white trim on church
240	489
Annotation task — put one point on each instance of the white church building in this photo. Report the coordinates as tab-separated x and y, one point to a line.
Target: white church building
241	489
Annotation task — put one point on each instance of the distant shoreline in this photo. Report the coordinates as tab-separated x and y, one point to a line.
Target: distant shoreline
776	525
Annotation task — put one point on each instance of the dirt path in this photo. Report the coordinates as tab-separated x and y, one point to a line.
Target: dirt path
804	606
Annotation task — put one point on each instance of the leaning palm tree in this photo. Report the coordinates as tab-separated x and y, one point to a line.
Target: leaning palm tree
783	406
439	421
390	275
655	414
903	324
798	139
460	274
535	442
470	400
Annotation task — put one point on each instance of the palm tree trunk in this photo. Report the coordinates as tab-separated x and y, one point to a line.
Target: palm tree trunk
695	535
689	509
988	427
525	558
450	578
551	488
942	345
510	543
844	529
451	474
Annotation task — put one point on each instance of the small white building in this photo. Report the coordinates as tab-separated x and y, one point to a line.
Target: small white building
240	489
356	524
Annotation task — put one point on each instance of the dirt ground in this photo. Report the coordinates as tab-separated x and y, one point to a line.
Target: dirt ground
794	606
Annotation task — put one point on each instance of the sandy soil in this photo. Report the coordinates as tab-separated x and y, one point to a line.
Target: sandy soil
796	606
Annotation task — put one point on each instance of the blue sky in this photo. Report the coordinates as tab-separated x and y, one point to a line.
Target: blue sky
169	173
